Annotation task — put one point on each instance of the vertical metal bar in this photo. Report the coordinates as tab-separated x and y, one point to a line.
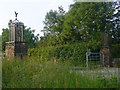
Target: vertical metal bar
103	59
86	59
118	75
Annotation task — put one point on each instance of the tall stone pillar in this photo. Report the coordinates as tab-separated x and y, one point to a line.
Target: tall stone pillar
16	47
105	54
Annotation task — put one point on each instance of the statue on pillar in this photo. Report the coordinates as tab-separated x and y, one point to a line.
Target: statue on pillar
16	47
16	15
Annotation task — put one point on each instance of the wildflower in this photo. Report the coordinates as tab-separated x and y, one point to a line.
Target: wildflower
54	59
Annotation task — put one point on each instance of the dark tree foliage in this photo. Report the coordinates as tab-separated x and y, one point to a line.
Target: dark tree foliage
54	21
0	42
5	38
84	22
53	27
30	38
115	32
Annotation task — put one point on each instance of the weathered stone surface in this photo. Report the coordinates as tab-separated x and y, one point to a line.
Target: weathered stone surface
10	51
116	61
105	55
16	47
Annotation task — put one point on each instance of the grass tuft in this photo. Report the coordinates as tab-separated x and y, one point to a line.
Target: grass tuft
40	73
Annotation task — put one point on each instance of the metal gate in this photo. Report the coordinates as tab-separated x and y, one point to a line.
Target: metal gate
92	58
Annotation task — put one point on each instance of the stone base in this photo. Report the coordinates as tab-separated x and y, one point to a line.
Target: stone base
116	62
105	56
16	49
9	51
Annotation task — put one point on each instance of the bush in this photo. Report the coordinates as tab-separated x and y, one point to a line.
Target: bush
115	51
73	52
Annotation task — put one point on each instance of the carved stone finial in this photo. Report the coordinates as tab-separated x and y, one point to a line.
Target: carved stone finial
16	14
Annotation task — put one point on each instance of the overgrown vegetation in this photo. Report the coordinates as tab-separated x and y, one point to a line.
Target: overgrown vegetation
39	73
73	52
115	51
85	21
82	27
0	43
67	37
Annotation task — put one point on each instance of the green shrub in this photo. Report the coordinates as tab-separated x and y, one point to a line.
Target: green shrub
73	52
115	49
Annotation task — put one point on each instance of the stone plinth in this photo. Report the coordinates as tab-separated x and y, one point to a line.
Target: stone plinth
14	49
105	56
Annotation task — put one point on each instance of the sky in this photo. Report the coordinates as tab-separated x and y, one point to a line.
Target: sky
30	12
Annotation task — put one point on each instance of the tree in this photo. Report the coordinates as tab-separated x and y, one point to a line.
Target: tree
53	26
60	19
115	32
5	38
84	20
50	22
30	38
0	42
54	21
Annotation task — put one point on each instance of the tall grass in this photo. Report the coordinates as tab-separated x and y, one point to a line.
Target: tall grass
39	73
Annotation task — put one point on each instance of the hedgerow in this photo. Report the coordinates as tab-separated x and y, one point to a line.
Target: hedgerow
75	52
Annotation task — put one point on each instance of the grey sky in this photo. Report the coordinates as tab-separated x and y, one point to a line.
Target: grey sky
31	12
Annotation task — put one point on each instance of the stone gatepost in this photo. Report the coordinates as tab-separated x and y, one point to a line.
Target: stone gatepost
105	54
16	47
